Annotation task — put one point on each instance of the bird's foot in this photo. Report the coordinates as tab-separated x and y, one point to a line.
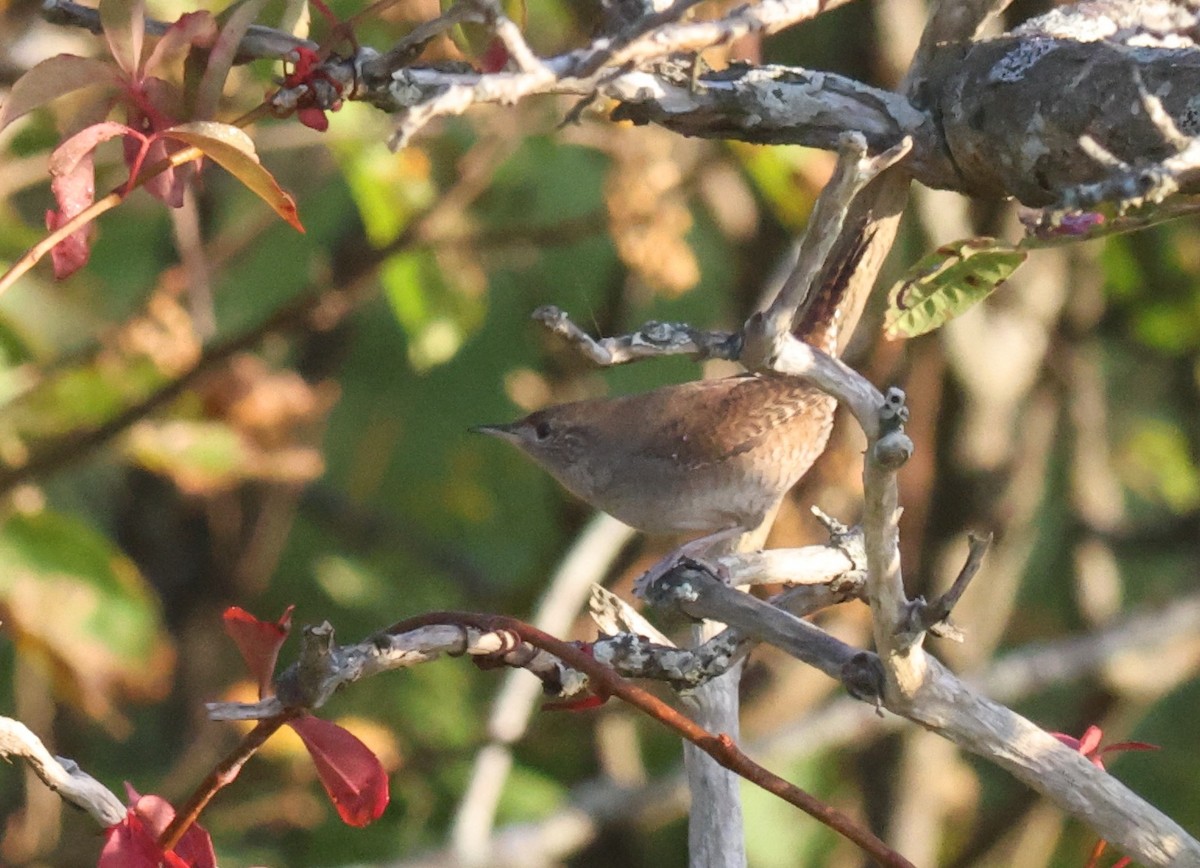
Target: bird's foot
693	550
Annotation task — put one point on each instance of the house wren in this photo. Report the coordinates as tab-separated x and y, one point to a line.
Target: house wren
700	457
695	458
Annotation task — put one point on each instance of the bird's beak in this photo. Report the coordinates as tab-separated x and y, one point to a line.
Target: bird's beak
504	432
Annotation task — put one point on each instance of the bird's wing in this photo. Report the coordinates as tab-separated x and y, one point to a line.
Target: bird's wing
742	409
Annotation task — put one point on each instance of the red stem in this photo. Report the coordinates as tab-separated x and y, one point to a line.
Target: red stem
720	747
224	774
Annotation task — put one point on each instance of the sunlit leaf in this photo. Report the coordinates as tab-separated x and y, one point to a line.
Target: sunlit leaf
52	78
71	596
206	456
200	456
948	282
786	177
234	151
518	11
388	188
124	23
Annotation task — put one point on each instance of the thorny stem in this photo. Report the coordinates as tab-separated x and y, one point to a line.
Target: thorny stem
720	747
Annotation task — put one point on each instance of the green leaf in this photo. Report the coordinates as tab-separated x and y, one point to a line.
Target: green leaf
233	150
54	77
15	348
124	23
946	283
1155	462
781	175
436	307
388	188
83	397
72	597
200	456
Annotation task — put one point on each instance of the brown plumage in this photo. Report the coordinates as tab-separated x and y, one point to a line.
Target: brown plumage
690	459
699	457
693	458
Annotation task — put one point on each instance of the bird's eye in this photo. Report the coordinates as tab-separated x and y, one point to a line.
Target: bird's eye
542	431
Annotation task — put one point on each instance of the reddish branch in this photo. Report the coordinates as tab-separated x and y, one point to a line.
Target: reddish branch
720	747
223	775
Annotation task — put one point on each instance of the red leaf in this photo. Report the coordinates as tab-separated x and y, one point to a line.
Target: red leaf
52	78
1097	851
129	845
67	155
198	29
495	56
124	23
1090	740
1089	745
259	642
195	848
167	186
153	105
350	772
70	254
133	843
1069	740
313	118
74	189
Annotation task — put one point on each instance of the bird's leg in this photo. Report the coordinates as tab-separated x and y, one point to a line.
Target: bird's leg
691	550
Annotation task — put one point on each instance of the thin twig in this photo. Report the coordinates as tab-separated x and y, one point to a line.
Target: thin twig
933	616
652	340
